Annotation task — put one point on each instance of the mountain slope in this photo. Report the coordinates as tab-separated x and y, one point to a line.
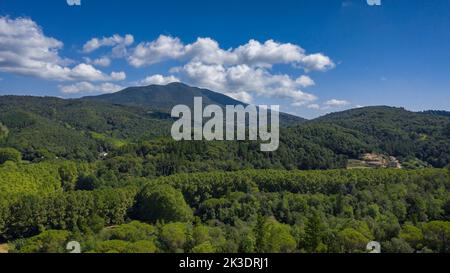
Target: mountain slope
165	97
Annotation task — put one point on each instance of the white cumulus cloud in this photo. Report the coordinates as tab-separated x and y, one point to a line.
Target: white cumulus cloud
336	103
317	62
25	50
327	105
244	82
208	51
158	80
162	49
102	61
87	87
313	106
243	72
305	81
113	41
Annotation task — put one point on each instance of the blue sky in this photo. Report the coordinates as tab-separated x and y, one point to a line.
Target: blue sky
311	57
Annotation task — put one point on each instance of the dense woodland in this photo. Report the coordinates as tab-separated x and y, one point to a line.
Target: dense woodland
108	176
245	211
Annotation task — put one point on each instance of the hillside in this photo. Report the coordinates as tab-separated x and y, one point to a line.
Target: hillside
74	128
398	132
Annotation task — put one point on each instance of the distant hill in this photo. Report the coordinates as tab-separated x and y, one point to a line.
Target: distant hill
165	97
398	132
437	113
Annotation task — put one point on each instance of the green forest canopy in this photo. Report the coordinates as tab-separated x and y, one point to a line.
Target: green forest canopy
109	176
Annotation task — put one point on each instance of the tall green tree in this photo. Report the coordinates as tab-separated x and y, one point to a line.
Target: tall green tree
9	154
277	237
437	236
313	233
157	202
352	240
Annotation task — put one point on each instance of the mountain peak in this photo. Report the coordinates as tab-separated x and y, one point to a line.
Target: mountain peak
164	97
181	84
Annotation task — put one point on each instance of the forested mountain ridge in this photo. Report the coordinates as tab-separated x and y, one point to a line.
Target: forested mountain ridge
165	97
83	129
